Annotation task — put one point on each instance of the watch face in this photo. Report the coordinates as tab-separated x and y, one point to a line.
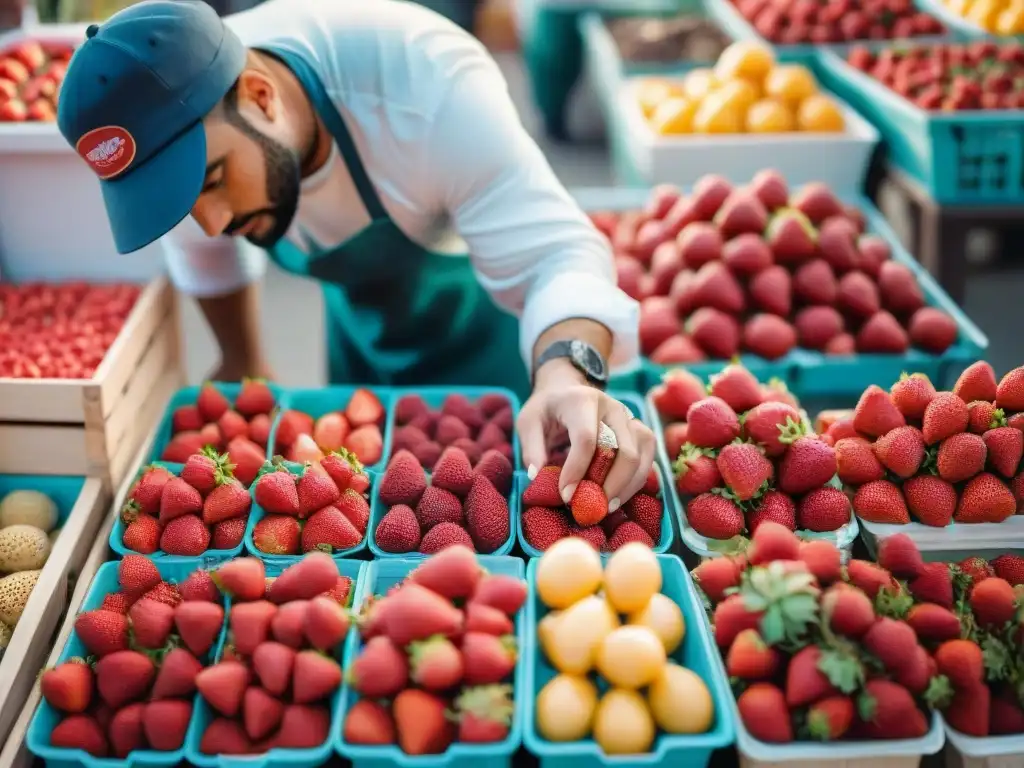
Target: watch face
588	359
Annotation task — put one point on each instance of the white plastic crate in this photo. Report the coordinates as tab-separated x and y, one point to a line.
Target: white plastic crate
53	224
955	541
991	752
840	160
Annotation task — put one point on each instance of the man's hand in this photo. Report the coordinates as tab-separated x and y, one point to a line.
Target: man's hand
561	399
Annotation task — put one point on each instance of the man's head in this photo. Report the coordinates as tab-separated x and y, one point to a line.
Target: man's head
174	115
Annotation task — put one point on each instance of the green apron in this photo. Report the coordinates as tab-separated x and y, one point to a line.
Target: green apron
398	314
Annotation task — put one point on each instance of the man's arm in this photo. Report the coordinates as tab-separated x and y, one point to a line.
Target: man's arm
223	275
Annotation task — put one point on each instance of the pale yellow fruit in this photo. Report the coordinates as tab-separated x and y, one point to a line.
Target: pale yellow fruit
5	635
28	508
577	634
14	593
740	94
698	83
630	657
565	708
674	116
631	576
680	701
568	571
790	83
770	116
745	59
23	548
651	93
820	113
546	629
664	618
623	724
714	115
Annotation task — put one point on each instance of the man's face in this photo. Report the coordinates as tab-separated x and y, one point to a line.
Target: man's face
252	175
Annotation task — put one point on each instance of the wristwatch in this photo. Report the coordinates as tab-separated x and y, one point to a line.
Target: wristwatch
583	356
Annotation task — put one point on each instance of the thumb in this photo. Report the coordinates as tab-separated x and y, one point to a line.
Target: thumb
532	442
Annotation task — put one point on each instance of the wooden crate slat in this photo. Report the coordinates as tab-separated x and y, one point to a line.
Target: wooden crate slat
38	449
53	400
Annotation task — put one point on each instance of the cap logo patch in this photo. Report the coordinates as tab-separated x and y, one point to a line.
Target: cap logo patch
108	150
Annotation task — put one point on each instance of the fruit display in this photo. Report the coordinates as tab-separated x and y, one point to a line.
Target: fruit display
949	77
611	665
428	674
460	504
914	454
759	269
58	331
999	17
357	429
747	456
325	508
661	40
797	22
746	91
31	74
273	684
28	529
475	427
201	507
545	518
213	423
816	651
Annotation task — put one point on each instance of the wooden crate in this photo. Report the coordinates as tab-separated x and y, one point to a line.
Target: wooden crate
29	646
94	427
14	752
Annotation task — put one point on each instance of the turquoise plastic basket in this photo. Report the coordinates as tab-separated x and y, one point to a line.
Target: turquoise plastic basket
275	758
324	400
64	490
209	557
46	717
187	396
697	653
434	397
258	513
958	158
377	578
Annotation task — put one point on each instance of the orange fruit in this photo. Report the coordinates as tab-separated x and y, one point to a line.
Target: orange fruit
738	93
674	116
651	93
745	59
715	115
770	116
819	113
698	83
791	83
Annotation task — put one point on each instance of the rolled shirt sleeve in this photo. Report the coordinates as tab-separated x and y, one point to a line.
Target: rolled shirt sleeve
533	248
205	267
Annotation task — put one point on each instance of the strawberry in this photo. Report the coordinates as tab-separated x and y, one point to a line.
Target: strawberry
769	336
254	398
198	625
289	624
314	677
714	516
744	469
945	415
891	642
805	682
822	560
588	505
766	423
290	425
737	387
126	729
696	472
228	534
497	468
985	499
330	531
148	489
1010	568
930	499
364	407
901	450
679	389
487	659
452	472
80	732
186	418
712	423
487	516
977	382
882	334
421	722
961	456
771	290
647	512
807	464
911	395
438	506
241	578
410	407
176	677
211	402
762	707
899	555
231	425
435	664
978	568
303	727
223	686
876	414
823	509
227	501
398	531
775	507
313	575
488	620
183	445
484	713
868	577
345	470
505	593
714	331
993	602
185	536
888	711
815	283
968	711
380	670
881	502
772	542
164	593
276	492
542	527
179	498
749	658
961	661
369	723
543	489
1010	391
933	623
453	573
224	737
857	462
326	623
732	617
250	624
68	686
137	575
857	295
604	455
451	428
830	718
277	535
983	416
1006	716
355	507
203	471
716	576
416	613
627	533
816	326
403	481
261	712
151	623
849	612
1005	448
123	676
259	430
102	632
273	663
934	584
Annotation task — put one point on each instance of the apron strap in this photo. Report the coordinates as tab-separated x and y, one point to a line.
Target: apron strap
322	103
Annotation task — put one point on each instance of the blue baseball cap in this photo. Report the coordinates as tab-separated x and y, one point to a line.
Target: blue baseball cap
132	105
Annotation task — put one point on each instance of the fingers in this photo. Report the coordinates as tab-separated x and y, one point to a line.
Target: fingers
579	414
530	426
627	457
646	447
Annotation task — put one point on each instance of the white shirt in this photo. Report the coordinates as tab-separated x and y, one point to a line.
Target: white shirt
431	117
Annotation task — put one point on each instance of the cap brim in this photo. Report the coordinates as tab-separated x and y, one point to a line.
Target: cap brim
152	199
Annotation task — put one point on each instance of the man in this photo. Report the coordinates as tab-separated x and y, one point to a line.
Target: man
345	138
